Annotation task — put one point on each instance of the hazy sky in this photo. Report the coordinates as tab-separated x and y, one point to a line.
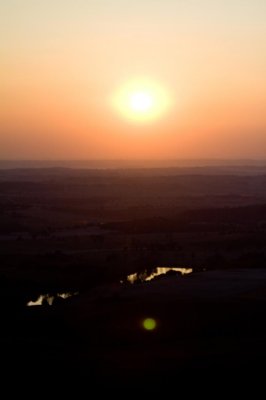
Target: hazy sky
62	61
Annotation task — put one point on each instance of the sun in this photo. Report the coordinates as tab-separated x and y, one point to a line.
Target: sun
141	100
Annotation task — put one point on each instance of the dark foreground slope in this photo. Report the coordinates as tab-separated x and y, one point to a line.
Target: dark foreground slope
209	324
84	231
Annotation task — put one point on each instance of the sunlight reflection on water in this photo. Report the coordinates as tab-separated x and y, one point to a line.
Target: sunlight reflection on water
49	299
146	276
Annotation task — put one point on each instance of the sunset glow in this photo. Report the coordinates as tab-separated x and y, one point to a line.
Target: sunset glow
133	80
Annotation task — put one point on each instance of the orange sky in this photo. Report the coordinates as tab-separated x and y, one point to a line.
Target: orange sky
64	59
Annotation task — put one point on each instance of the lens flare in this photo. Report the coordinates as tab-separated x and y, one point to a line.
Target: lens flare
149	324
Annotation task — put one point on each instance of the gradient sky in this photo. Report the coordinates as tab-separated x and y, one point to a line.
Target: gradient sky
61	60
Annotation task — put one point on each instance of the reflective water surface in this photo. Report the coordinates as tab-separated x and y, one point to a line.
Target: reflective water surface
48	299
146	276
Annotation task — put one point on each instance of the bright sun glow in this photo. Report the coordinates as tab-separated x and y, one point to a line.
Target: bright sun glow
141	101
